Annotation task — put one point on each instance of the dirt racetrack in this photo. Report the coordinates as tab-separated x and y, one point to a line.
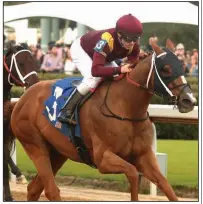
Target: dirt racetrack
19	192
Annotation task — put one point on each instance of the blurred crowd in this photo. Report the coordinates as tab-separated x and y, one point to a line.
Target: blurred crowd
189	58
58	59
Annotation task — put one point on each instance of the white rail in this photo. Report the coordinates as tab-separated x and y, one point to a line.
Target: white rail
164	111
167	111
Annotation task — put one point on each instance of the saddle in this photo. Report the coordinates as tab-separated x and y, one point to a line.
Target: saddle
61	90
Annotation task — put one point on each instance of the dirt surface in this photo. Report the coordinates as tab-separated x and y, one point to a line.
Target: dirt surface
19	192
118	186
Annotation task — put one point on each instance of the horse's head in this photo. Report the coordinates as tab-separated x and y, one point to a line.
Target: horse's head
169	77
21	67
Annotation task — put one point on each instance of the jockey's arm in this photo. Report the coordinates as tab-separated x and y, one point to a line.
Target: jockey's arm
101	50
98	69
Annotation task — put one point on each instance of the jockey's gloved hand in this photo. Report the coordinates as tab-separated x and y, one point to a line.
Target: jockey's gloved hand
126	68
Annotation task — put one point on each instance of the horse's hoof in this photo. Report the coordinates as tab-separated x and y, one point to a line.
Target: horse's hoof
21	180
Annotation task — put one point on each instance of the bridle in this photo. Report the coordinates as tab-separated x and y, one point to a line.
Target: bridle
20	82
174	99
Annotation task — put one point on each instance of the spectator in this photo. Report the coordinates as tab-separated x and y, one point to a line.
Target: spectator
52	62
193	68
69	66
59	50
185	67
192	62
195	54
39	54
180	51
187	57
50	45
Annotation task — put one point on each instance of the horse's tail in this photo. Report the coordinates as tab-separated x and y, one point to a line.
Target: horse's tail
8	136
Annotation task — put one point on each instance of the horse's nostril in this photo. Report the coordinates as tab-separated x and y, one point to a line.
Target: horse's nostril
187	103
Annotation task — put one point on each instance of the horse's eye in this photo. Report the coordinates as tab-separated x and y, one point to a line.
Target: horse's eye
166	70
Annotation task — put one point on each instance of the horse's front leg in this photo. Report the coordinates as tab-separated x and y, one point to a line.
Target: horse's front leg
111	163
148	165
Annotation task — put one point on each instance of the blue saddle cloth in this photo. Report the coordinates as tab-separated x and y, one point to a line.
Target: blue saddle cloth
61	90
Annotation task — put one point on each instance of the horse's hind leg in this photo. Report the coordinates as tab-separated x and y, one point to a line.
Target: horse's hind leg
148	165
36	148
36	187
43	165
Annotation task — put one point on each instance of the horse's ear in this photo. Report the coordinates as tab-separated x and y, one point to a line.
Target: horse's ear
170	45
155	47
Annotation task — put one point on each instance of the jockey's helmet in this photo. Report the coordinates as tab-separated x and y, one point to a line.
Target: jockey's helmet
129	27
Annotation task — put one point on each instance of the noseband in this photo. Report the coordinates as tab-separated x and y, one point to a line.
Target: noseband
21	82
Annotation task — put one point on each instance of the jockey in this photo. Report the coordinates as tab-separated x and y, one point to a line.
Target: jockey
94	54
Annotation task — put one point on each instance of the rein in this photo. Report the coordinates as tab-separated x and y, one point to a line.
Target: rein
21	82
113	115
139	85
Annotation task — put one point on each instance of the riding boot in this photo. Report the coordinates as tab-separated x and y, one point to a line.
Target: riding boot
65	116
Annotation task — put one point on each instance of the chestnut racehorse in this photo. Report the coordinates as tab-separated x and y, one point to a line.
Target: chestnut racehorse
121	143
19	69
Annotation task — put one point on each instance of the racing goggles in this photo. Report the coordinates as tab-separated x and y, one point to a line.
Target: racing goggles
130	39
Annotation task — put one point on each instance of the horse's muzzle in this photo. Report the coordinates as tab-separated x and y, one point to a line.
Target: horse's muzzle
186	101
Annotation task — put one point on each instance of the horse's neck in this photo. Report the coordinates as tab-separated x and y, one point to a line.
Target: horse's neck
137	99
141	72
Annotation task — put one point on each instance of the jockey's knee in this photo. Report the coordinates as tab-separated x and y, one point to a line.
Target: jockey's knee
87	85
83	89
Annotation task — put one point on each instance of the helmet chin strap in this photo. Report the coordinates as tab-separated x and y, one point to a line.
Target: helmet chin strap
120	40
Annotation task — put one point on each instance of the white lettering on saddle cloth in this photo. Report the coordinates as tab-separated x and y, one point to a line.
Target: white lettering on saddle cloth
57	93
